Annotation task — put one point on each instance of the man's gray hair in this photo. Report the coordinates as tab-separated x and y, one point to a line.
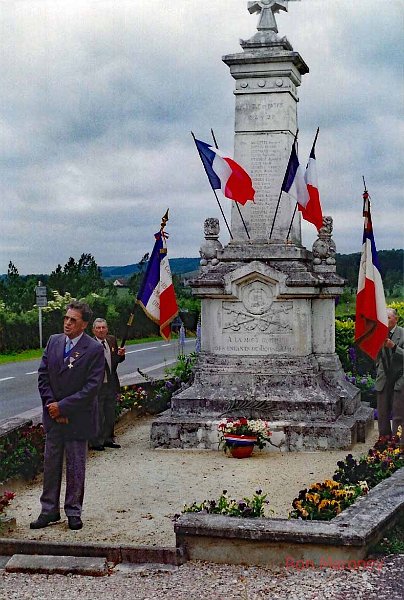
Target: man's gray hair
392	310
99	320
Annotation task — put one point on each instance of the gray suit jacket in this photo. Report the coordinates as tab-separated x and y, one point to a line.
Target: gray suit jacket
73	384
396	370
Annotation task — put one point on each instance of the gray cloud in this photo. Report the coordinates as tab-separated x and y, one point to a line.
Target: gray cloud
98	99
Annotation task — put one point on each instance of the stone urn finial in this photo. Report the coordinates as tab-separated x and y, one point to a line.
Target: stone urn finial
324	248
211	245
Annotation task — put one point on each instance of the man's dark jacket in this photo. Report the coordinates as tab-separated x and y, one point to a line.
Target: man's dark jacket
73	383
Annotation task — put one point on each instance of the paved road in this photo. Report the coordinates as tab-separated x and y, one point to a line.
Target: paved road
18	381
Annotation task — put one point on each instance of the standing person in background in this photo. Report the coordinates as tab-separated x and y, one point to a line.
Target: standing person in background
390	380
110	387
69	377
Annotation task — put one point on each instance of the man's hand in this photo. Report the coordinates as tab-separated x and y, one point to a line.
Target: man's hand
389	344
62	420
121	351
53	410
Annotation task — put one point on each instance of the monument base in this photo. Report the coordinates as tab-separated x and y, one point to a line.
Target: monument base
307	401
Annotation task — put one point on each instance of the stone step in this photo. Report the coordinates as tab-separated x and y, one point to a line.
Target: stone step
169	431
308	405
57	565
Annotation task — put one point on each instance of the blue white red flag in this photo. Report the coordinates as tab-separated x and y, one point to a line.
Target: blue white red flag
371	314
225	174
157	295
293	182
312	211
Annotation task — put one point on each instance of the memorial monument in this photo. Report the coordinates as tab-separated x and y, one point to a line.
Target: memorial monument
268	304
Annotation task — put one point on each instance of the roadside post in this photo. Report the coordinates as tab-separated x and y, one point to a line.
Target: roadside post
41	301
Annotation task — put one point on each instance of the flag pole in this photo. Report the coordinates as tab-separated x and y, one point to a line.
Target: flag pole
129	323
365	194
294	212
214	191
291	221
280	193
238	208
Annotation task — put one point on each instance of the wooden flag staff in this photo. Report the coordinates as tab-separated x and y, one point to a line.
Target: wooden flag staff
132	314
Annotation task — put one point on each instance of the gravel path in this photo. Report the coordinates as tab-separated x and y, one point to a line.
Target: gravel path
131	497
214	582
133	493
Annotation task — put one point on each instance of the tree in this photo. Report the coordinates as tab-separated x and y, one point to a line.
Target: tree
80	278
17	292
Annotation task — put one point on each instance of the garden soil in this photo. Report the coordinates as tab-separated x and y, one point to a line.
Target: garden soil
133	493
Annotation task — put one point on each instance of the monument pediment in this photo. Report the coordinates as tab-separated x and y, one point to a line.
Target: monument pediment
253	276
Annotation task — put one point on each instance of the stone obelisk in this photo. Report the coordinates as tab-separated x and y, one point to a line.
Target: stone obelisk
267	75
268	304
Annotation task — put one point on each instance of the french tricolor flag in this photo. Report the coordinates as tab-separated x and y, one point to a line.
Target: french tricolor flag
225	174
156	295
293	182
371	314
312	211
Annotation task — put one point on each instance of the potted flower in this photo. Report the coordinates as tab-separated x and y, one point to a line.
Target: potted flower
240	435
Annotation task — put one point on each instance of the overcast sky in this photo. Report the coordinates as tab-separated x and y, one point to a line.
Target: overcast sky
98	98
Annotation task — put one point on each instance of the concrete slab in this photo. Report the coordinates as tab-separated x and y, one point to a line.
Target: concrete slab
3	561
61	565
130	568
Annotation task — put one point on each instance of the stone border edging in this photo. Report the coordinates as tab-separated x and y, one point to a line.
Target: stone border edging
347	537
113	552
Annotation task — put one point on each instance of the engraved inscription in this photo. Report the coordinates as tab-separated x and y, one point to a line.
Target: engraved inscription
267	162
276	320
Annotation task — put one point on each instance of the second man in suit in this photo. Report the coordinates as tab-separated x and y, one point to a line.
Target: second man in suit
110	387
390	380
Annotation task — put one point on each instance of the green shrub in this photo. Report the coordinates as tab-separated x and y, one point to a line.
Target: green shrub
21	453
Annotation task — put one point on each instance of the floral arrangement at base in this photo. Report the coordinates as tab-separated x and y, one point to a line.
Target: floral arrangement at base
249	428
5	500
324	501
129	398
353	478
247	507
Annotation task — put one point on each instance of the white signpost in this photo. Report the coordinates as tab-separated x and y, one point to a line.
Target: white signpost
41	301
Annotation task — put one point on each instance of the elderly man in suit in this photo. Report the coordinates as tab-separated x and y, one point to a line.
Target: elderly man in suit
110	387
70	375
390	380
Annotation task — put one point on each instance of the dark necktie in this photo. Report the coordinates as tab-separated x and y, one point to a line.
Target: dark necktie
107	369
388	352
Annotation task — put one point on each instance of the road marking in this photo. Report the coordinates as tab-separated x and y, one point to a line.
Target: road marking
146	370
141	350
32	373
6	378
164	345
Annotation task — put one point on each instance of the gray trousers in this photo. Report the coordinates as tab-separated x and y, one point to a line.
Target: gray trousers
390	406
106	415
56	447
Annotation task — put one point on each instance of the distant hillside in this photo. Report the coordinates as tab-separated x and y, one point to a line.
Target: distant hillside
177	265
391	267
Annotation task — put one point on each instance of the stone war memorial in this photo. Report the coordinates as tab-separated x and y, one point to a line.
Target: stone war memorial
268	303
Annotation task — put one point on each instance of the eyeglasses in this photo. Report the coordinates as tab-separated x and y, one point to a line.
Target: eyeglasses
72	319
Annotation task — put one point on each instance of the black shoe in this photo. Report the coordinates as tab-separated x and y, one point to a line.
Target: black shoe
96	448
75	522
112	445
44	520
